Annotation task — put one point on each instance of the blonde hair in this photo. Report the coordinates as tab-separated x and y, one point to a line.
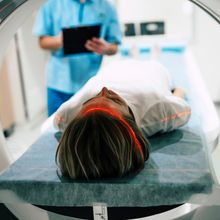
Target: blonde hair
99	145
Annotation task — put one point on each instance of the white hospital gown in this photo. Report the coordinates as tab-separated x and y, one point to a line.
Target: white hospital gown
144	85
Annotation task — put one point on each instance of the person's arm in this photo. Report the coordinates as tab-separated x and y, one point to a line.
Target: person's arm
50	42
176	110
44	28
102	47
167	114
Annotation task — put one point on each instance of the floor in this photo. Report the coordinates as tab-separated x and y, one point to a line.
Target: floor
23	136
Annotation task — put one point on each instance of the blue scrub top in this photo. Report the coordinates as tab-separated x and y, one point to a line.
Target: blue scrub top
69	73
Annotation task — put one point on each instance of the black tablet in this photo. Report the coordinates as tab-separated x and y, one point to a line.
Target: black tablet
74	39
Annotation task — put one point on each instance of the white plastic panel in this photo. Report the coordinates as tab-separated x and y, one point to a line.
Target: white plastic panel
212	7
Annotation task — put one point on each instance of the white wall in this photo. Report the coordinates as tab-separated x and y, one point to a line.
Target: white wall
206	48
177	14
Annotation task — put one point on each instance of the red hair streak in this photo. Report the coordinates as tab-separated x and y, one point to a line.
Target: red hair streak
118	116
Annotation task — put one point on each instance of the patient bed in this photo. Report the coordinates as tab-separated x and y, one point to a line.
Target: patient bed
178	171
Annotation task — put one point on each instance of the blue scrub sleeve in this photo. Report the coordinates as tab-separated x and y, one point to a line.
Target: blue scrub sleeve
113	32
44	22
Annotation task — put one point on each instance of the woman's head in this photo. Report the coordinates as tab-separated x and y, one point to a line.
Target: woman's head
102	141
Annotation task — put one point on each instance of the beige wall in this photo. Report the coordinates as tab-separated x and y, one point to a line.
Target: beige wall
6	106
33	60
11	100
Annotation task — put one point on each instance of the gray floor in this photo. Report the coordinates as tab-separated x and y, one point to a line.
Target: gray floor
23	136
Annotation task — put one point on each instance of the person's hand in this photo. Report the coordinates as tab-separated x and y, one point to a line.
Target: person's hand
99	46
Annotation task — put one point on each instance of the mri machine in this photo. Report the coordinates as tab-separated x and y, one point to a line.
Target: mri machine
198	189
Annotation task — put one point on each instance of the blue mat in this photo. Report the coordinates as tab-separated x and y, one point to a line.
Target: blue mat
177	169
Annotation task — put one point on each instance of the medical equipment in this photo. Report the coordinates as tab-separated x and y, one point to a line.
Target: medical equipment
206	177
178	164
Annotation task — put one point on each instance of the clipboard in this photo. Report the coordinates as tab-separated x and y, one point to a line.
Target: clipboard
75	38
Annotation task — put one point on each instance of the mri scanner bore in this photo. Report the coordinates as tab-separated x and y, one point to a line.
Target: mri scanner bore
179	160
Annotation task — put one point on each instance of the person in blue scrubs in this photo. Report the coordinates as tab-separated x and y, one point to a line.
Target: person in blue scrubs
67	74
